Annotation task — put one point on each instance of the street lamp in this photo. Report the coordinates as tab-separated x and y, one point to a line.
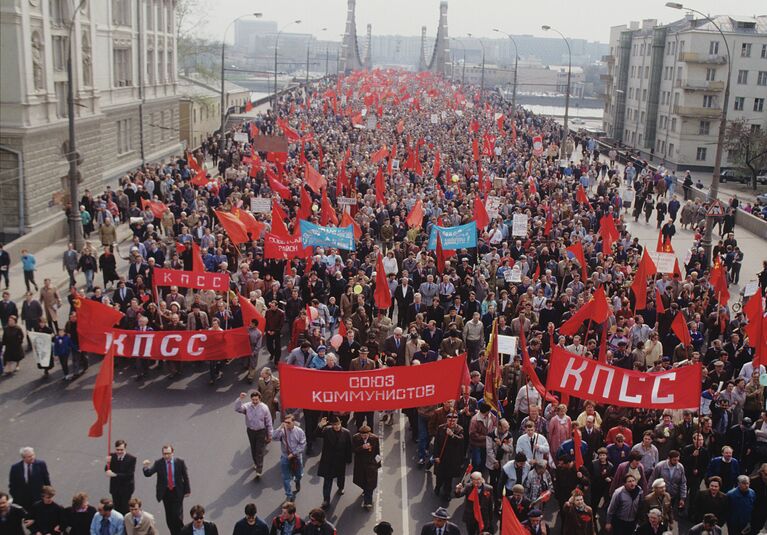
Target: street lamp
714	191
567	94
308	42
223	89
276	42
516	63
463	68
482	79
74	222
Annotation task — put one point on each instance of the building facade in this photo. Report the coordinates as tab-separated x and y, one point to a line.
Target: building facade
124	80
665	86
200	107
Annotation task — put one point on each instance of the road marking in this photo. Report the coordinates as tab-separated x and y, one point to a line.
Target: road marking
379	492
403	473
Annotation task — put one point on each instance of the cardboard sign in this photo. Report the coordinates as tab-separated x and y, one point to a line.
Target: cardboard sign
434	118
241	137
519	225
261	205
664	262
493	206
507	345
346	201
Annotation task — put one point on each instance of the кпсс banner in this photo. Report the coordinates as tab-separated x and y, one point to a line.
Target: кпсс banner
678	388
377	390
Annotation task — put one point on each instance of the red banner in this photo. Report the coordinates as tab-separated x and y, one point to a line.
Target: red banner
678	388
284	248
190	279
376	390
168	345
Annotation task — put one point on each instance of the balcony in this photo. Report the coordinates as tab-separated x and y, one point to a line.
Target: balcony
608	59
700	85
696	111
694	57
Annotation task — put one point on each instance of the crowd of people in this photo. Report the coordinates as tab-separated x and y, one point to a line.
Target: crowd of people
645	470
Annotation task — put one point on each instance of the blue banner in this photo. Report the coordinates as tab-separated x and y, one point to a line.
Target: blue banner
460	237
338	237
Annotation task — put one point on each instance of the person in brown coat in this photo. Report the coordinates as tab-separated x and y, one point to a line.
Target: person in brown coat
578	518
367	459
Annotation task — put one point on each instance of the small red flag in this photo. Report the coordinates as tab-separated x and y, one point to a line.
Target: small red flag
659	308
473	497
248	106
249	312
509	522
577	448
415	217
305	207
436	167
681	331
718	279
158	208
313	178
380	187
581	197
475	149
102	394
480	213
580	256
440	255
347	220
379	155
328	214
382	294
278	187
197	264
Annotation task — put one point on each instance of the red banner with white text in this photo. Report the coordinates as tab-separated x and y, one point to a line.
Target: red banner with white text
284	248
377	390
677	388
167	345
202	280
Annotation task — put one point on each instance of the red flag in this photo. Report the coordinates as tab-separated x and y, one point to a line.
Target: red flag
440	255
279	188
278	221
513	132
718	279
347	220
291	134
581	196
379	155
659	246
465	376
342	182
200	180
250	222
436	167
94	315
659	308
305	207
475	149
645	269
192	161
249	312
357	119
549	223
342	328
755	329
509	522
328	213
577	448
400	126
473	497
248	106
681	331
380	187
102	393
382	294
197	264
580	256
596	310
313	178
474	126
609	233
480	213
499	122
528	370
415	217
233	227
158	208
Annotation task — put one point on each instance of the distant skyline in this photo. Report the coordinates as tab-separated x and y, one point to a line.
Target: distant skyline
585	19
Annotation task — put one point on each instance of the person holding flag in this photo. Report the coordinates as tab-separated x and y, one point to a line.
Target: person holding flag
478	505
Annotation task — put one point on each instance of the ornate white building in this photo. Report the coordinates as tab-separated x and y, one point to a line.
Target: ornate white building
124	71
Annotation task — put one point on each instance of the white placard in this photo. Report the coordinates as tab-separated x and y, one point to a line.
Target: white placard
241	137
751	288
371	121
443	115
493	206
664	262
261	205
459	113
507	345
395	165
434	118
41	346
519	225
346	201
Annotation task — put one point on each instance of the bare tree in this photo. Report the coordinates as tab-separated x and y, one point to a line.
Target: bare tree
747	144
194	53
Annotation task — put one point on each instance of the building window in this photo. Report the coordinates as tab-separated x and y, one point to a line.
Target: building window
631	93
670	149
640	140
708	101
713	48
700	154
122	67
755	128
124	136
758	104
149	16
170	78
761	78
169	18
641	49
739	103
710	75
673	124
150	66
646	72
121	14
679	73
742	76
764	51
745	50
641	117
59	44
704	128
57	14
161	66
61	99
644	95
160	14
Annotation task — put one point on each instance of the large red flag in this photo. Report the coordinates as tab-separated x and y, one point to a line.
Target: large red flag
379	155
718	279
250	222
603	343
328	213
581	197
94	315
596	310
509	522
659	307
249	312
681	331
305	207
549	222
380	187
415	217
440	255
342	182
645	269
580	256
278	221
382	294
313	178
756	329
609	233
480	213
278	187
436	167
235	228
197	264
102	393
475	149
158	208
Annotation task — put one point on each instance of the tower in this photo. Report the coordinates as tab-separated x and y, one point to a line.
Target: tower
422	54
350	54
368	48
440	59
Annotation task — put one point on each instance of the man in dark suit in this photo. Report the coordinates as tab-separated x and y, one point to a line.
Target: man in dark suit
120	468
27	478
123	295
172	490
486	503
403	296
395	345
198	522
415	308
440	524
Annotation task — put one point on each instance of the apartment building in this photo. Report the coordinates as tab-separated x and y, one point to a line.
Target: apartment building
665	85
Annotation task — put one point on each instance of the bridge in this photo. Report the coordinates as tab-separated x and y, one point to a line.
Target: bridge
351	59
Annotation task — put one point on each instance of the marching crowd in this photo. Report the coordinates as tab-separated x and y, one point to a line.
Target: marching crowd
643	470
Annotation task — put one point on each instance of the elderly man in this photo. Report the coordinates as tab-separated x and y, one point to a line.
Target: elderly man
27	478
477	491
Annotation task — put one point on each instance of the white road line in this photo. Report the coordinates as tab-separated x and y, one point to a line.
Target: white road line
403	474
379	492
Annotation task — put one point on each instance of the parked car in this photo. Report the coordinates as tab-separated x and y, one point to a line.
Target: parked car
761	178
762	199
733	175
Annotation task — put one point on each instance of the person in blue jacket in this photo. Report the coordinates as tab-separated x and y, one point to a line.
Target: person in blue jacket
741	499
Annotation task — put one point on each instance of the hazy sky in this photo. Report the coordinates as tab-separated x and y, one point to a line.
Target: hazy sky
585	19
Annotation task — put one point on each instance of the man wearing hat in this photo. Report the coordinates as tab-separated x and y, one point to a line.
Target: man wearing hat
535	524
367	458
383	528
440	524
362	363
448	454
336	454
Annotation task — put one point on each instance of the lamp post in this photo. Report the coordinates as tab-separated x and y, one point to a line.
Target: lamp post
223	50
276	42
482	79
463	67
74	222
714	191
516	64
567	93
